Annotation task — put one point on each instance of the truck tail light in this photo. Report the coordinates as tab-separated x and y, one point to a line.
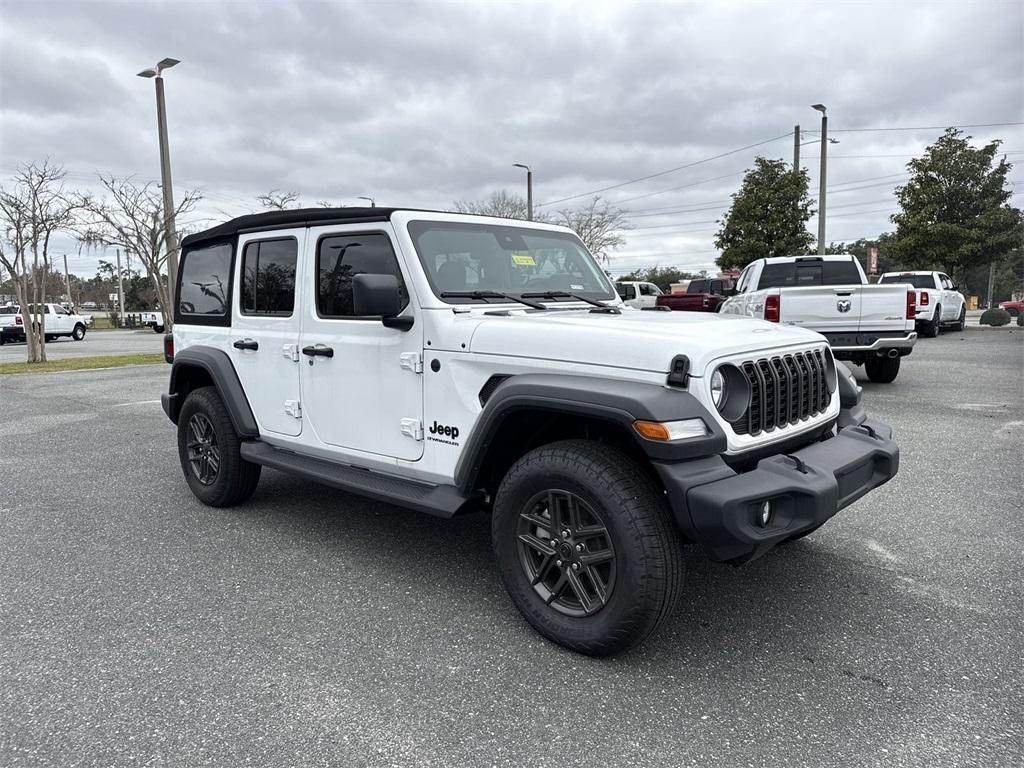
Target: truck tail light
773	308
18	320
911	305
924	298
169	347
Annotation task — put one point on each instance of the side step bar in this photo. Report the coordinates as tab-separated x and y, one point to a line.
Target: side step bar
439	500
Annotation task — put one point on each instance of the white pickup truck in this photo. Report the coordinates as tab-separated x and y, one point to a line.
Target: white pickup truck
57	321
939	303
869	325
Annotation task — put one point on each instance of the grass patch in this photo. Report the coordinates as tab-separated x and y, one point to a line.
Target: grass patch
82	363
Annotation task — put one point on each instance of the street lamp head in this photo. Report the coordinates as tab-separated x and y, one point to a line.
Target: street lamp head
819	107
167	64
151	72
373	203
520	165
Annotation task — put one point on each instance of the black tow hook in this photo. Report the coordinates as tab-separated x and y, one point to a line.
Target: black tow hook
870	431
800	466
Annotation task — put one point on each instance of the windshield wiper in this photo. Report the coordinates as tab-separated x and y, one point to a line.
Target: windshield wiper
566	295
490	295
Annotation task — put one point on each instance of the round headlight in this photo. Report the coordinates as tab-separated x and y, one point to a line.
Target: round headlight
717	388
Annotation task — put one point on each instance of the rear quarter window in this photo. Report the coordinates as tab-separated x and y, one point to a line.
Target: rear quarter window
205	285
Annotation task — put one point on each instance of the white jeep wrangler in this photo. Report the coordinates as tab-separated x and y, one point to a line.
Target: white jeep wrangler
450	363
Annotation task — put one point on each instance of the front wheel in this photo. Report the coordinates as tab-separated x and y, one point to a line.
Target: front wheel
585	547
882	370
78	333
208	448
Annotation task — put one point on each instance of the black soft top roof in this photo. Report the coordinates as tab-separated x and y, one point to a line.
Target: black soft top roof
307	217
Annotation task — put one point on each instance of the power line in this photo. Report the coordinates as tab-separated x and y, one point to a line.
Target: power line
670	170
924	127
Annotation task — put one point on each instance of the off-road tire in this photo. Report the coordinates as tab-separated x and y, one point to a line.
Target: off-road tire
882	370
236	478
78	333
647	559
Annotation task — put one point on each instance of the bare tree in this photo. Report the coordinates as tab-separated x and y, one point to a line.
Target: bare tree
599	225
34	207
275	200
130	216
501	204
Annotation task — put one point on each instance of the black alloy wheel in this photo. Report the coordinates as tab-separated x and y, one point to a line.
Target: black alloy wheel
203	451
566	553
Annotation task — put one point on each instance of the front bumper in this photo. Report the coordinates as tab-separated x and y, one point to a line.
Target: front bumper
719	507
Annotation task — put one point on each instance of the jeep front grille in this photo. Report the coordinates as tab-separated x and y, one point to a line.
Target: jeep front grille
783	391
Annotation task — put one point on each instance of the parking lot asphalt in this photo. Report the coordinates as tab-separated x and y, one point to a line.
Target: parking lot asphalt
310	627
95	344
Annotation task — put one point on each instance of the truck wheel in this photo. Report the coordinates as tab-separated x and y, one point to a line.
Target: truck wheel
931	330
585	547
78	333
49	337
158	329
208	449
882	370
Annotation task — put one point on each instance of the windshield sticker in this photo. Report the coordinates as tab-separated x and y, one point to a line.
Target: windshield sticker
523	260
575	287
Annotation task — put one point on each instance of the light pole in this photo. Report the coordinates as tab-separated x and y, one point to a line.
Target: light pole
529	189
171	233
373	203
821	181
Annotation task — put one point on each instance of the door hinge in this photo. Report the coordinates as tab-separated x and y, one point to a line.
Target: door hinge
412	361
412	428
293	408
291	352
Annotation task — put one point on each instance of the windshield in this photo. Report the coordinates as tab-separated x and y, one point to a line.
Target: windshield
918	281
491	257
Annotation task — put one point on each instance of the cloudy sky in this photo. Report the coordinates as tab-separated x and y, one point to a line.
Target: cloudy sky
425	103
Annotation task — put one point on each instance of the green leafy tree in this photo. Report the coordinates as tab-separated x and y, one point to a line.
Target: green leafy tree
955	212
663	277
768	216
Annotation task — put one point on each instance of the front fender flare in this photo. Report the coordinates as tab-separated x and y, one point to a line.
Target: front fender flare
619	402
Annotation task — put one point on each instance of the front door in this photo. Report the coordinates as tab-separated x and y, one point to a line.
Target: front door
362	382
264	340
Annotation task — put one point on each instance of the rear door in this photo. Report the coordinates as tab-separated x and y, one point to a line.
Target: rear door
264	341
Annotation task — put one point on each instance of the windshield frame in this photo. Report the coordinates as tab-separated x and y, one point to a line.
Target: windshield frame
526	229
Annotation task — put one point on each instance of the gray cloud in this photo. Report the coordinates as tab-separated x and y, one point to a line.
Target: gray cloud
421	104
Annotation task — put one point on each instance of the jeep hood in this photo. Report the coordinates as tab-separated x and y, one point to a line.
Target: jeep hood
635	340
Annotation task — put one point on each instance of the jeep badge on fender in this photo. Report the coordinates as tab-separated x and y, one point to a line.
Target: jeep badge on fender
594	458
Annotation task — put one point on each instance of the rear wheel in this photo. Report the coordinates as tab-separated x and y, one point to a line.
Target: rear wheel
79	333
962	320
208	449
586	548
882	370
931	329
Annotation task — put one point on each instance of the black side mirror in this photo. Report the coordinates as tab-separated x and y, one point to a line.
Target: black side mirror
378	296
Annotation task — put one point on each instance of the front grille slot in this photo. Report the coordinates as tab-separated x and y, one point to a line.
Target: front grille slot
784	390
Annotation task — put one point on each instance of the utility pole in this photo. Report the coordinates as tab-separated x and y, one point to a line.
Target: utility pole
529	189
120	291
796	147
170	231
67	280
821	181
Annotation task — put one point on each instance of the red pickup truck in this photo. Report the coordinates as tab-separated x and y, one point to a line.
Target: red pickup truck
702	295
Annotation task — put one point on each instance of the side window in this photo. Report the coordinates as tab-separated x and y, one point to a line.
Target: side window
946	282
205	279
741	285
268	277
339	258
630	292
58	309
646	289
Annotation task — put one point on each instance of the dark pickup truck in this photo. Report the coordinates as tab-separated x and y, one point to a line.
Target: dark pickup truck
703	295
